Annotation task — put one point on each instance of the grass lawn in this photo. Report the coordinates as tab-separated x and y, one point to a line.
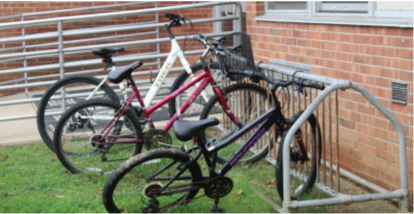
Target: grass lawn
32	180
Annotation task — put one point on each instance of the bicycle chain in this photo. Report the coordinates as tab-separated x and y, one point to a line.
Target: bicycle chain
179	186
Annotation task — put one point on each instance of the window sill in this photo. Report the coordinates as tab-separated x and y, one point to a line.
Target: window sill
339	20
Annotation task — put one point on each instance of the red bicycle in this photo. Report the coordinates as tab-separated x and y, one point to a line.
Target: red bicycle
91	136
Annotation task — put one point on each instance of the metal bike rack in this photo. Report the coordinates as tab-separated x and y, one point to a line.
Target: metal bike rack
317	104
61	51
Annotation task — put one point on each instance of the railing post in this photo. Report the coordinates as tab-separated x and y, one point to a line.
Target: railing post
25	59
61	62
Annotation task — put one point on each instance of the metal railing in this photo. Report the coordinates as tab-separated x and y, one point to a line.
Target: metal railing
61	51
316	102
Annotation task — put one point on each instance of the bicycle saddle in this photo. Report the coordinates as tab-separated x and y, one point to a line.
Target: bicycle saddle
185	130
105	51
116	76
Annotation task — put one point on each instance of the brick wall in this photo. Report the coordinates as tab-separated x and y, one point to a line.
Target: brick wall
371	56
12	8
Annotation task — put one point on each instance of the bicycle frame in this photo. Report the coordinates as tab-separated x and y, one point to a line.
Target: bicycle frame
207	79
165	70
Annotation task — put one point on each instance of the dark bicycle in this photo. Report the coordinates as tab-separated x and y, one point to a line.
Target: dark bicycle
157	180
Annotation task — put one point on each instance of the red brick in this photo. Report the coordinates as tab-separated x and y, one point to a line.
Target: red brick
350	29
343	56
368	30
368	69
377	142
384	92
381	123
406	75
343	74
364	167
312	52
362	157
318	44
384	134
333	46
312	34
327	54
303	42
317	26
367	149
368	49
289	41
349	47
386	72
382	82
366	109
327	36
402	42
402	64
381	40
285	32
379	163
360	78
336	28
359	58
317	61
386	156
385	51
407	53
389	31
343	37
358	117
393	148
298	33
407	32
332	64
364	39
349	66
381	61
302	26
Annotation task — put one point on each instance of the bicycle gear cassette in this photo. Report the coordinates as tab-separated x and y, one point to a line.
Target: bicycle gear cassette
218	185
157	139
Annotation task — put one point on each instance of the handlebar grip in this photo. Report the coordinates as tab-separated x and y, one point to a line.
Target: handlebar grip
197	38
313	85
172	15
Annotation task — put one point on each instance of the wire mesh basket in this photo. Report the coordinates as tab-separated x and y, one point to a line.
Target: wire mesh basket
239	54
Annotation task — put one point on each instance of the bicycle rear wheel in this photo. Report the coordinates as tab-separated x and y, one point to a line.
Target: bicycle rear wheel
129	187
303	168
247	102
50	106
78	131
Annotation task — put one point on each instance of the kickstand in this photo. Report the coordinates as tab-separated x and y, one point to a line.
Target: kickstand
216	201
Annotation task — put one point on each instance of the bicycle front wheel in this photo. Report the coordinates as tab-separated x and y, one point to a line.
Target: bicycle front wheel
79	133
76	88
247	102
133	186
304	149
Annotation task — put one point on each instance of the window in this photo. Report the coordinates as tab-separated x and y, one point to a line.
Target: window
342	7
321	7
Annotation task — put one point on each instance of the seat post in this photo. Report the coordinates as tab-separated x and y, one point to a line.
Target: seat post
130	80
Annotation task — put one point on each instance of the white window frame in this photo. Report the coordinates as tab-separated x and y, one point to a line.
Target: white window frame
313	10
302	12
317	5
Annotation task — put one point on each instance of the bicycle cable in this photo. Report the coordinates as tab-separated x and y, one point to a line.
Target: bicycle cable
192	31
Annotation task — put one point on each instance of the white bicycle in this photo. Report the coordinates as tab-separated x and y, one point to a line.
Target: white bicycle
75	88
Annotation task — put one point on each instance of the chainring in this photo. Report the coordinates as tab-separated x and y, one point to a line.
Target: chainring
211	190
154	137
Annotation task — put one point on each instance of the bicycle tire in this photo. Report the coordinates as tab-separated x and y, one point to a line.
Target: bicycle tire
76	133
136	166
302	189
174	105
243	114
46	136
